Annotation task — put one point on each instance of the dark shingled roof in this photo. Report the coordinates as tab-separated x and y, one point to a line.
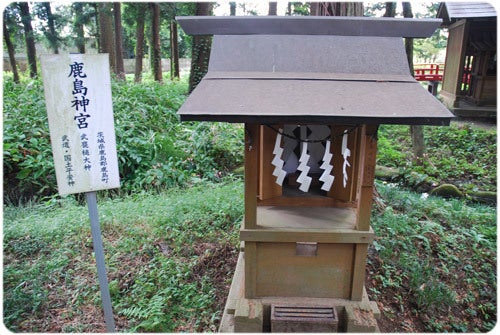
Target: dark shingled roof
452	11
289	77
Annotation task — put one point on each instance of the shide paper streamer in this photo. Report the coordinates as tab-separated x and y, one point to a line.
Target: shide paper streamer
326	177
303	178
278	172
346	153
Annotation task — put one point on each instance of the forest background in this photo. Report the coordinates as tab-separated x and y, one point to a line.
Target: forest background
171	231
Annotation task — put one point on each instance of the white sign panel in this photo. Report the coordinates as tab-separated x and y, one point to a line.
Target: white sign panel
80	112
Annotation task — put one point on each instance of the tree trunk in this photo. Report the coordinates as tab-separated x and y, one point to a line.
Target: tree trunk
174	51
200	50
52	36
28	35
407	13
78	27
155	29
95	5
336	8
417	132
106	44
10	49
390	9
117	14
314	8
273	8
139	47
418	142
232	8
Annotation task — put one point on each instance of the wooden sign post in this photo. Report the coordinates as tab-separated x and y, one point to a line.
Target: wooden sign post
80	113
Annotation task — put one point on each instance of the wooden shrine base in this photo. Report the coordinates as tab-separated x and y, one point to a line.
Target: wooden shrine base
254	315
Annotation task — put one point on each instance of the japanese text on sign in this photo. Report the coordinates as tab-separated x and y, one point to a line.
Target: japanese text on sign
80	101
79	108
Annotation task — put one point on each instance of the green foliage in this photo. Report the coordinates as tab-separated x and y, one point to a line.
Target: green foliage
169	10
51	22
427	50
460	154
155	150
155	247
388	154
299	8
433	256
12	20
28	164
438	256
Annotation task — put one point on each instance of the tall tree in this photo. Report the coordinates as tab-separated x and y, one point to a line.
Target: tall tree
106	43
78	22
407	13
139	36
29	37
44	12
200	52
155	32
232	8
95	6
417	131
273	8
174	51
390	9
10	46
336	8
117	15
85	15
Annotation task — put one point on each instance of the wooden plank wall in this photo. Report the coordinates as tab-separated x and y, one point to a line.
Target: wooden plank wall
455	58
338	191
252	139
368	152
267	182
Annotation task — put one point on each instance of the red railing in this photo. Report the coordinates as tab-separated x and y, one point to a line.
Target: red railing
429	72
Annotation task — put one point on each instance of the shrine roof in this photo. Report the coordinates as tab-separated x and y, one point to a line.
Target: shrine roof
452	11
316	78
308	25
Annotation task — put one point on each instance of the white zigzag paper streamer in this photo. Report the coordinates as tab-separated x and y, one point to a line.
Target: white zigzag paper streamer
278	172
326	177
346	153
303	178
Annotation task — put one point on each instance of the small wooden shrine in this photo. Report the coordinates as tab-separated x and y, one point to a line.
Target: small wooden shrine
470	75
311	92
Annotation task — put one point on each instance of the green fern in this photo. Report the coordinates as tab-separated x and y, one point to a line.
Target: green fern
152	317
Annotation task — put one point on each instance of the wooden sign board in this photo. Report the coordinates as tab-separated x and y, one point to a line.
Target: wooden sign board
80	112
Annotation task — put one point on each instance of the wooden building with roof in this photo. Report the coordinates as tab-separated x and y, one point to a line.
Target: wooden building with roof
470	77
311	92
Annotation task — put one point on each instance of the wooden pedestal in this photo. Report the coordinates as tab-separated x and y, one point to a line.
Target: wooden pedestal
254	315
331	265
299	248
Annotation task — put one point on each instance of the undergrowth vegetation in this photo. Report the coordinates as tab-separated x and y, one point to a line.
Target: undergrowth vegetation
433	263
171	232
167	255
155	150
463	155
171	256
